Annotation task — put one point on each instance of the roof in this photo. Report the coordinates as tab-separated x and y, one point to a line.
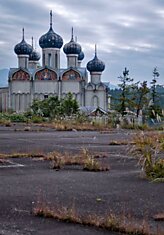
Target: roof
93	111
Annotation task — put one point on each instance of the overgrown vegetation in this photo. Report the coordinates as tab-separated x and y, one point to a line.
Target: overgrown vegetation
22	155
52	107
148	148
110	222
44	110
85	159
7	118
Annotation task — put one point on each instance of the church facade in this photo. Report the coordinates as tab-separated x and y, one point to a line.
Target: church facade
29	81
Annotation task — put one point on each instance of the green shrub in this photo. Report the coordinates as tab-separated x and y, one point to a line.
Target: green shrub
17	117
37	119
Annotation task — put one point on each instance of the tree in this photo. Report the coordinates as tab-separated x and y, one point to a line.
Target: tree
124	99
53	107
141	96
154	104
36	107
69	105
154	84
49	107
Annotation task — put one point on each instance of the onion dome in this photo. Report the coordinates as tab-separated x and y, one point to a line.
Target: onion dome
23	48
34	56
81	56
72	47
51	39
95	65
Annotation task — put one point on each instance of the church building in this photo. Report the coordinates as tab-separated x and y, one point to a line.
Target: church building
30	81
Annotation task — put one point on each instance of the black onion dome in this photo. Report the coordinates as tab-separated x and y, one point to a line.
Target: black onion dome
95	65
34	56
81	56
72	47
51	39
23	48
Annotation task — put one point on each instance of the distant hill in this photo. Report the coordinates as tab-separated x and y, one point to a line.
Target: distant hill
4	77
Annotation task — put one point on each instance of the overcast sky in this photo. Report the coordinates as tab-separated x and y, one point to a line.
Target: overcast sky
128	33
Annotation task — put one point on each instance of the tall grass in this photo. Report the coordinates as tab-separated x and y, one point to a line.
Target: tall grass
149	148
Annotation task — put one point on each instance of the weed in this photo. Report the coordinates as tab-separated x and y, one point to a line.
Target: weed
147	147
5	122
21	155
91	164
84	159
110	222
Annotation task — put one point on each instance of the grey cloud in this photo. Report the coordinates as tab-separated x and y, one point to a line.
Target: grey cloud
128	33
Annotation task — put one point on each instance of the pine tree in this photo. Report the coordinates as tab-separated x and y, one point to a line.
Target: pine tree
154	84
154	106
141	99
125	86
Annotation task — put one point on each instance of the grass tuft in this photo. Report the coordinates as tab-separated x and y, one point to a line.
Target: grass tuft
88	161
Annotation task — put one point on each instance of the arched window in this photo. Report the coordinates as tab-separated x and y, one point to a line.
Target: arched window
49	60
95	101
56	61
43	59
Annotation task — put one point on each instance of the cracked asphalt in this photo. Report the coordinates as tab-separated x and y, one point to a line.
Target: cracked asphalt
121	190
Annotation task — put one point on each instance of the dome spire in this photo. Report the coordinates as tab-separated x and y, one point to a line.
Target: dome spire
95	50
23	48
32	40
51	39
23	34
51	19
72	35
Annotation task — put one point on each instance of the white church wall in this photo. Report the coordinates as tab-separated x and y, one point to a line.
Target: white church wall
102	99
68	86
45	87
20	102
95	77
88	98
20	87
96	99
4	99
79	99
